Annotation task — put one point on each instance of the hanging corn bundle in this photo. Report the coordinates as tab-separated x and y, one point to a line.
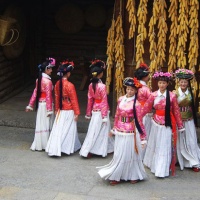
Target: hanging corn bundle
162	32
152	37
130	7
194	43
119	55
110	54
194	25
142	32
173	15
182	31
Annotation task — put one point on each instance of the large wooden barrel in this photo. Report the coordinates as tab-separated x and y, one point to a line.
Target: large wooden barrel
8	34
70	18
95	15
15	50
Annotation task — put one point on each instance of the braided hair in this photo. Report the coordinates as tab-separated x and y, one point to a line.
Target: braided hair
64	68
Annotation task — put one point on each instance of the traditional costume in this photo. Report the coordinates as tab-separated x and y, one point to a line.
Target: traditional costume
64	134
187	147
127	160
142	74
97	141
161	146
44	106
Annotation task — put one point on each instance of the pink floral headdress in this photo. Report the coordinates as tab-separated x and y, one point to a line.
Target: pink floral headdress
159	75
52	62
184	74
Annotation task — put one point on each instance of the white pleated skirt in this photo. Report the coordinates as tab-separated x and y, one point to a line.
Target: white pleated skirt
64	135
43	128
147	123
158	153
126	163
97	140
187	147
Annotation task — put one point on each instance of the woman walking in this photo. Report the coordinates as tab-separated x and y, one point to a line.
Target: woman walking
160	154
97	140
142	73
64	135
187	147
42	95
126	164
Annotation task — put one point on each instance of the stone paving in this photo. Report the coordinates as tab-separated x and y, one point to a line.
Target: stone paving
29	175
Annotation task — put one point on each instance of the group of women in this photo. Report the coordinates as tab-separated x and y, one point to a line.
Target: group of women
152	129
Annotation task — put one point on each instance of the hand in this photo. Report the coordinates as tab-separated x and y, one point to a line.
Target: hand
110	134
27	110
76	118
181	130
174	91
150	114
144	146
87	117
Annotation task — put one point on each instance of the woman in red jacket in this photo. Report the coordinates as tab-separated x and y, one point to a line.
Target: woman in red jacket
64	135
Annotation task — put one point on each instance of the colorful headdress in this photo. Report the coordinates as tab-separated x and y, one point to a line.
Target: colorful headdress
133	82
65	66
184	74
96	67
50	62
162	76
142	71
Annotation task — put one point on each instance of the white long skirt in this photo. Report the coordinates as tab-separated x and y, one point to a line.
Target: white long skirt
147	123
158	154
43	128
64	135
126	163
97	140
188	151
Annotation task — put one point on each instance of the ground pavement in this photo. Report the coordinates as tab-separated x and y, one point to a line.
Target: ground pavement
29	175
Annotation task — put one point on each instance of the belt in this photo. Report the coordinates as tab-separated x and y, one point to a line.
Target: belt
160	112
184	108
125	119
43	95
66	98
142	103
97	100
185	120
158	122
125	131
96	110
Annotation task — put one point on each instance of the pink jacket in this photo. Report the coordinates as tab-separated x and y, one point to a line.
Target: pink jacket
97	100
143	94
46	87
125	111
158	102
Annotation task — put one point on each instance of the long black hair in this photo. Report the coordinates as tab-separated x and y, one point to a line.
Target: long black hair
167	110
42	68
193	106
61	89
94	82
135	116
64	68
